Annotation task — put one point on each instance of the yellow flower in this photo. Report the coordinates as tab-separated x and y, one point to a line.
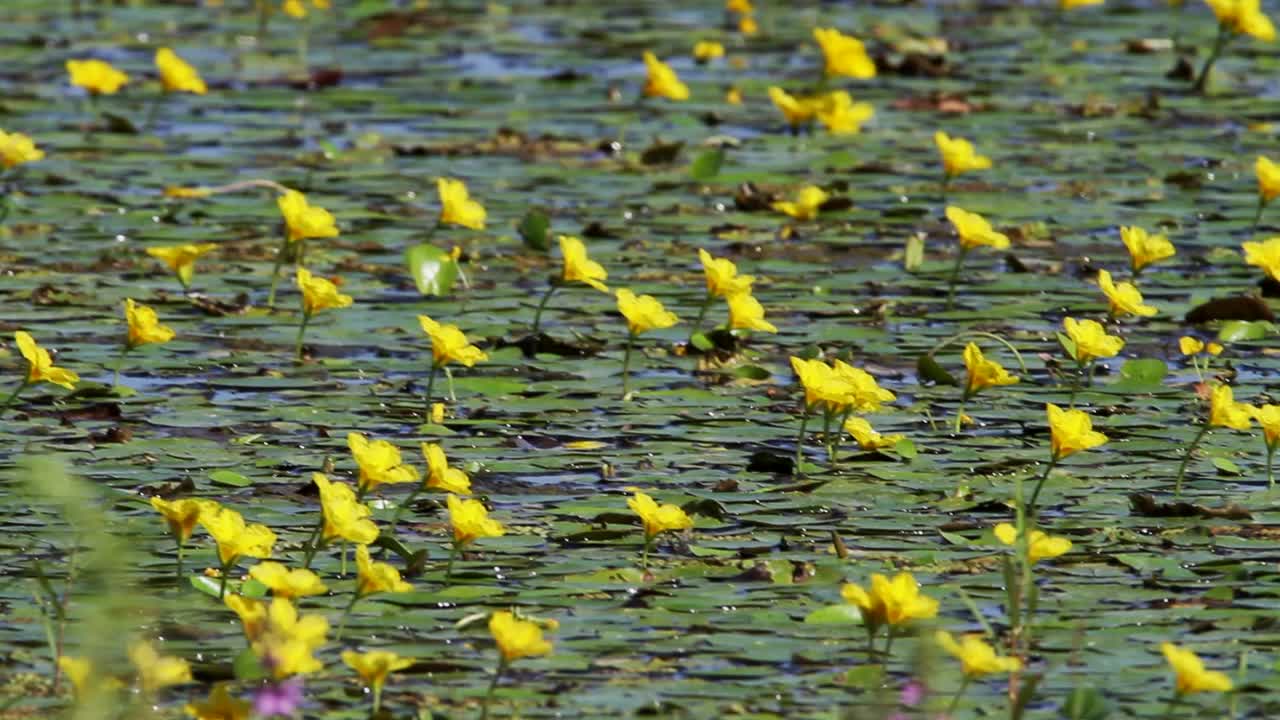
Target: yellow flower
895	602
844	55
578	267
320	293
742	7
144	325
182	515
16	149
236	539
156	671
1189	673
252	613
344	516
186	193
722	276
1265	255
470	520
1190	345
1145	249
658	518
303	220
807	203
379	462
983	373
286	582
662	81
707	50
746	313
219	706
449	344
864	393
517	638
1224	411
1071	431
733	96
1073	4
1268	178
959	155
822	384
977	658
96	76
1091	340
84	677
1243	17
840	115
298	9
866	436
288	640
442	477
644	312
1268	417
1040	545
747	25
40	363
1124	298
457	207
181	258
176	75
437	413
374	666
798	111
974	230
376	577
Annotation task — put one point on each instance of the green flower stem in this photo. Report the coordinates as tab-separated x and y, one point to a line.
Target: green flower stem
1271	454
1022	551
888	645
14	395
804	422
644	554
115	374
537	314
377	698
1182	468
150	118
946	185
1219	44
826	433
226	572
264	13
1031	506
453	555
5	207
300	253
702	313
275	272
346	612
431	382
304	43
1076	383
955	700
182	549
493	687
960	410
626	363
955	277
302	329
313	544
1257	215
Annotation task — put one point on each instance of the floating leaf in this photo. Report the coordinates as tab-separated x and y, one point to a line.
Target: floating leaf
434	270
